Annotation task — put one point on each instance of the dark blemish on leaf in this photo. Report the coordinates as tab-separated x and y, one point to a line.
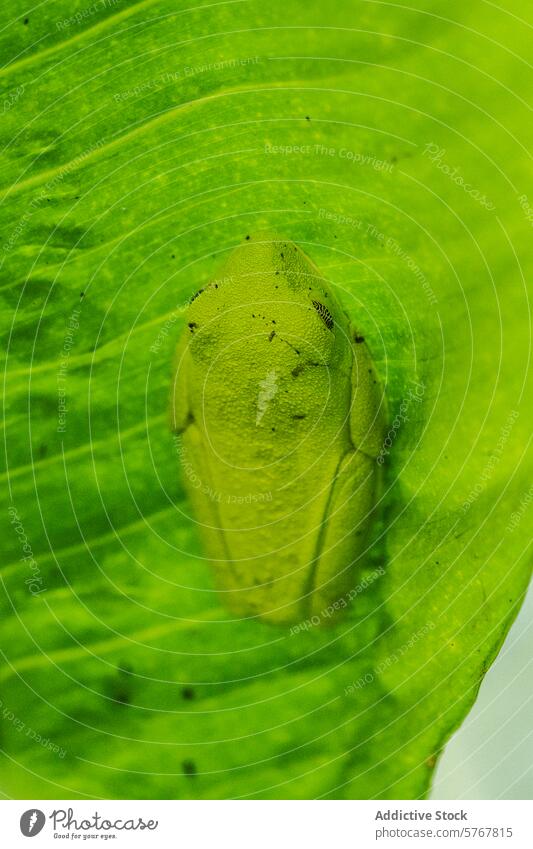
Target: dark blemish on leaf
307	118
189	768
270	338
188	694
394	159
359	339
173	256
277	272
299	416
273	429
26	21
82	295
297	370
273	321
192	325
122	697
43	450
247	238
324	314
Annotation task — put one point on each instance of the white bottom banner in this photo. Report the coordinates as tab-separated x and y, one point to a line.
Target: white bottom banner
268	824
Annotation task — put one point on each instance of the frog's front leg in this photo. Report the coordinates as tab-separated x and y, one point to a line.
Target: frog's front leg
179	408
196	474
368	412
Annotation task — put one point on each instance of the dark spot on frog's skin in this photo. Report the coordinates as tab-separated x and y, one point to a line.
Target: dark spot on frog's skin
281	255
196	295
273	429
299	416
359	339
189	768
188	694
192	325
324	314
297	370
190	420
277	272
270	338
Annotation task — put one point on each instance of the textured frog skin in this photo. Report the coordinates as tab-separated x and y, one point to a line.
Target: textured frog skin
281	418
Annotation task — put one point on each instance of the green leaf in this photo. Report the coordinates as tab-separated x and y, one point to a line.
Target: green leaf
140	144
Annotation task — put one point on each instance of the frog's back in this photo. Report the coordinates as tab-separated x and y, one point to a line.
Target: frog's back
265	365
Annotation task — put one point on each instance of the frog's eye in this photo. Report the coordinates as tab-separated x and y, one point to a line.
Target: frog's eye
324	314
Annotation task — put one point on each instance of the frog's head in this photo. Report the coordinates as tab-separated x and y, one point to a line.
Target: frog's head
270	298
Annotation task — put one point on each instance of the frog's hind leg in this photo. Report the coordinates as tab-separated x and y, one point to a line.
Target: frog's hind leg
203	497
343	533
